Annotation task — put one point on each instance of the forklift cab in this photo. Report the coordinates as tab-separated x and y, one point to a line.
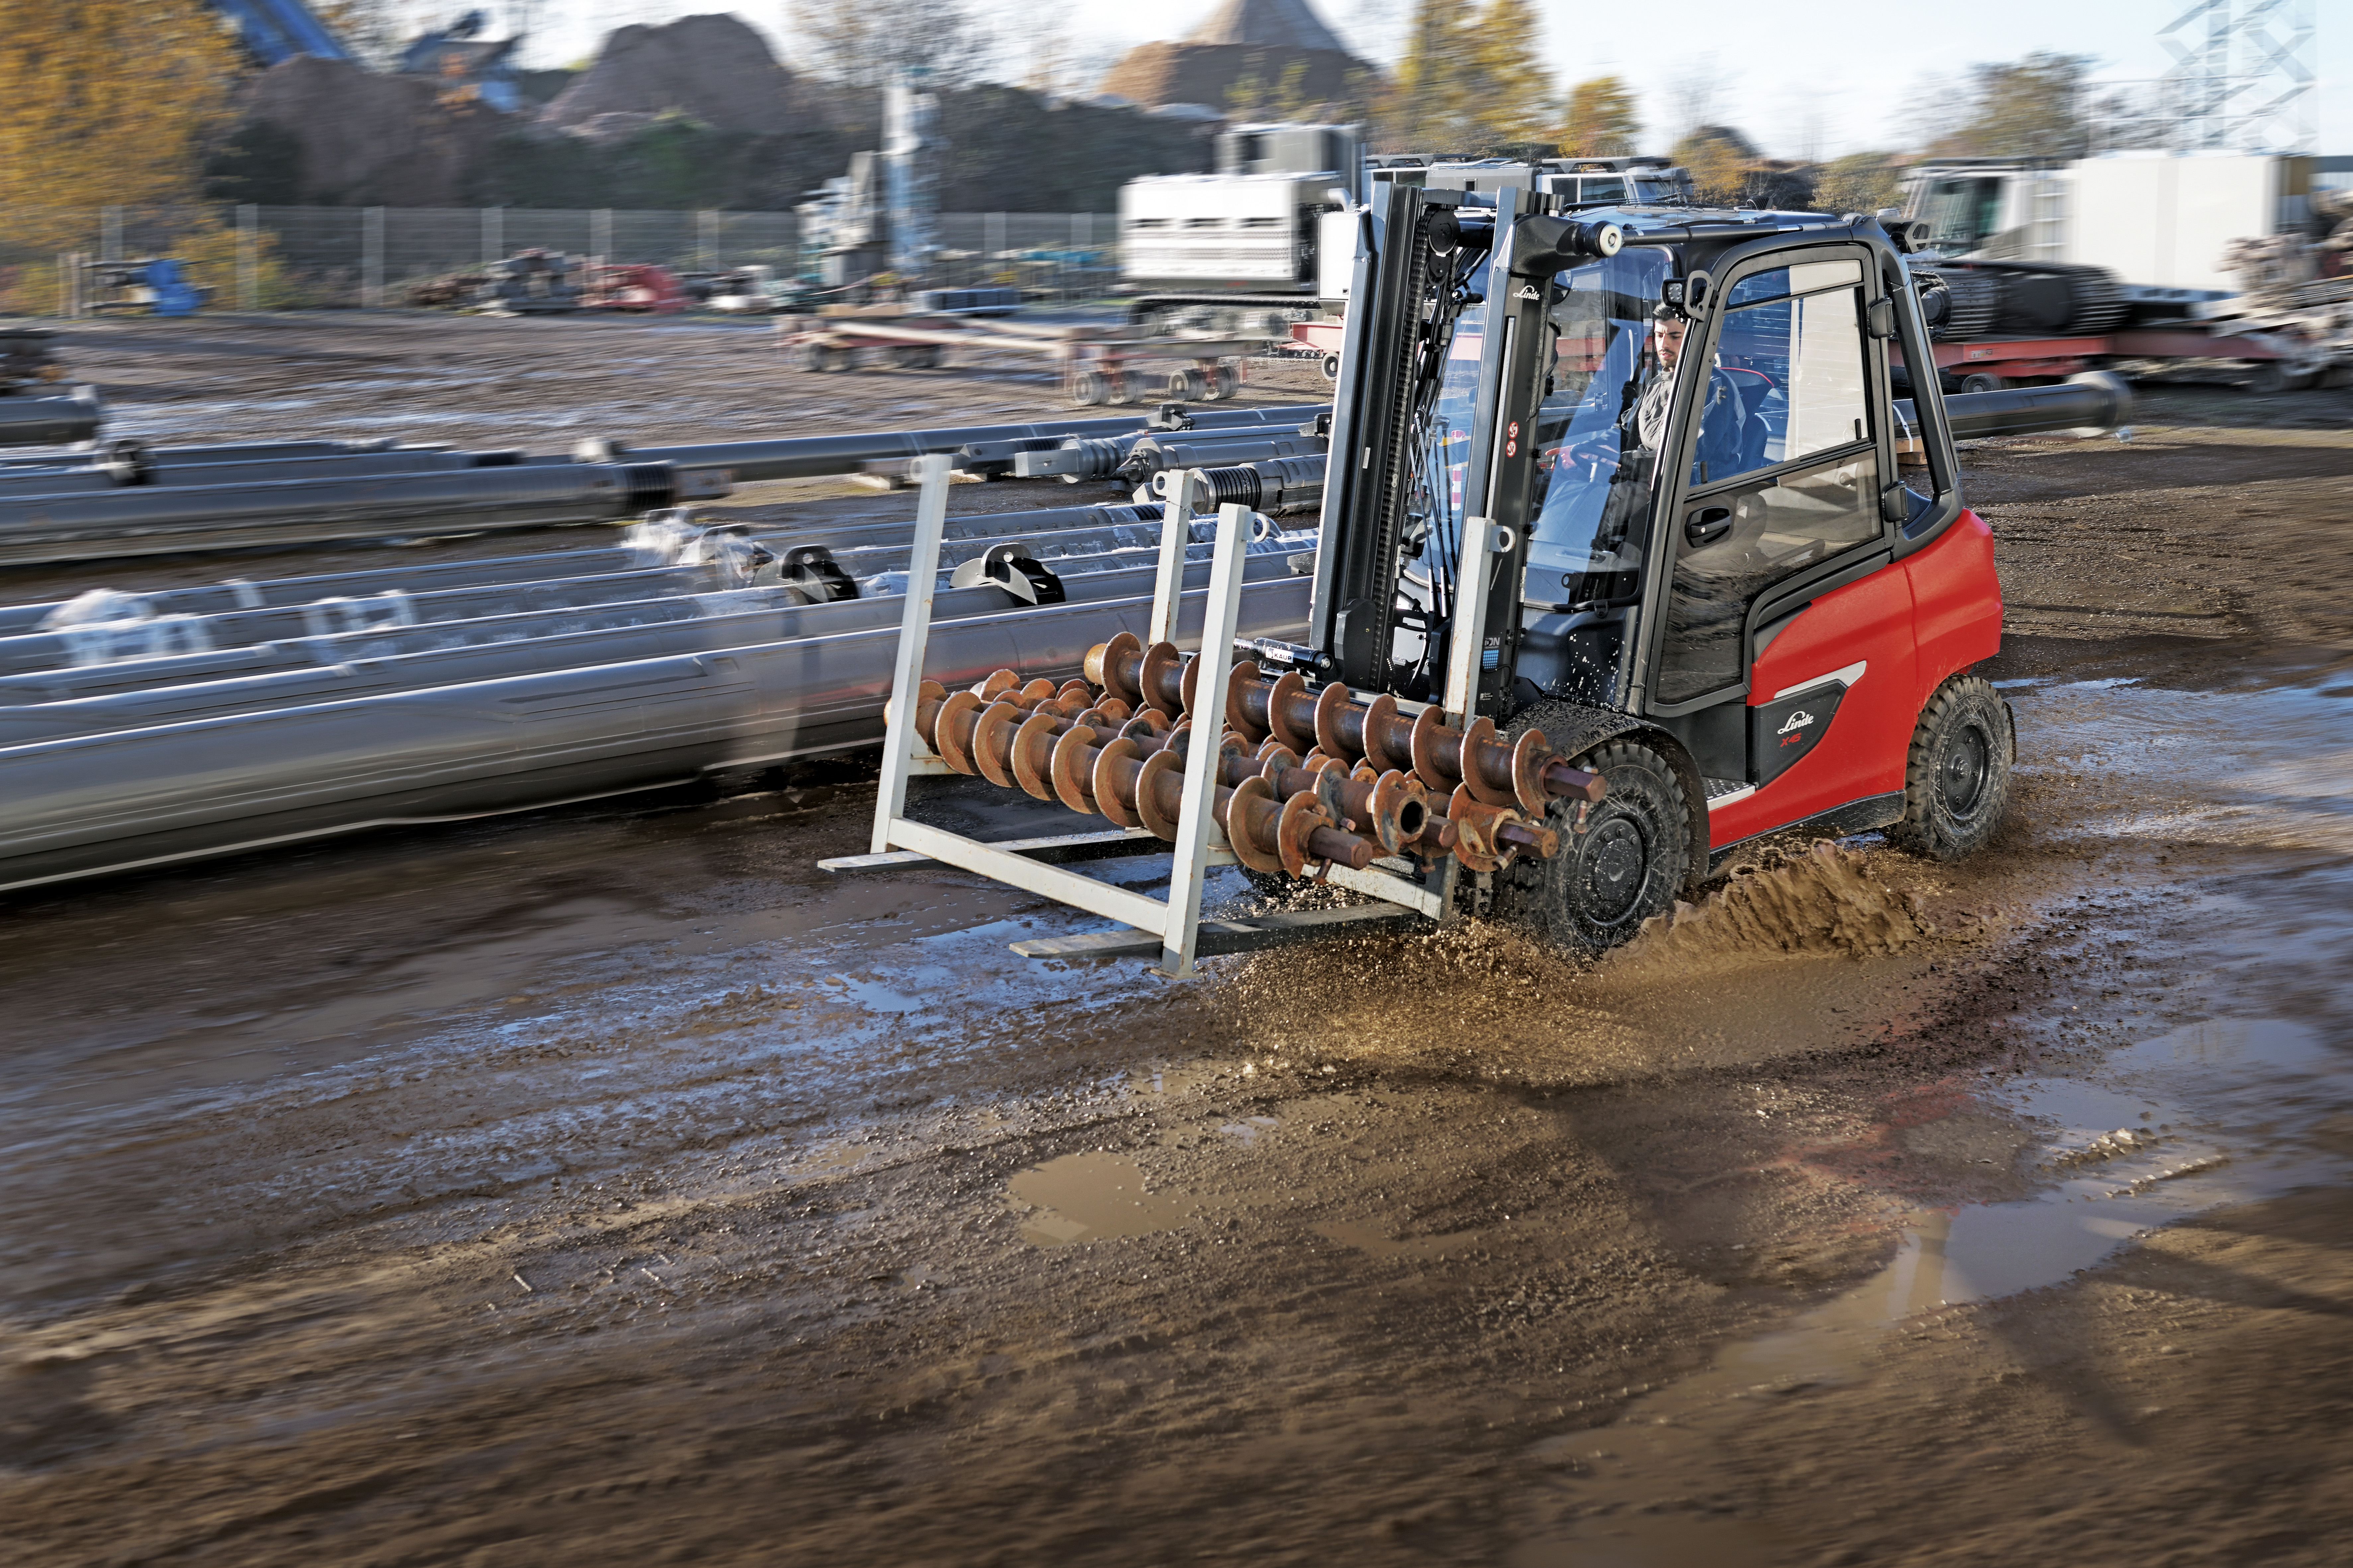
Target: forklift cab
1717	529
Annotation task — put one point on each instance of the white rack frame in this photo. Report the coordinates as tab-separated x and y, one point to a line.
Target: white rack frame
1176	920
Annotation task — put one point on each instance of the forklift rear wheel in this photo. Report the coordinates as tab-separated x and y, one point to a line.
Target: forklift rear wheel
1956	776
1980	383
1625	863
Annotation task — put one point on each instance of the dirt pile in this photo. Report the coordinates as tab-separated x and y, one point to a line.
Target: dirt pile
714	67
1156	74
368	139
1827	900
1280	45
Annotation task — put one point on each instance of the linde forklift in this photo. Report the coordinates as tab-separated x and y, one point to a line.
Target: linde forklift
1627	541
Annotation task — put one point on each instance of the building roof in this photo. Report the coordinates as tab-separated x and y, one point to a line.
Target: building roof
1271	24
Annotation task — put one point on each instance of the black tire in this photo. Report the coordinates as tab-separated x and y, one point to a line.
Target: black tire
1627	862
1980	382
1331	368
1956	776
1088	389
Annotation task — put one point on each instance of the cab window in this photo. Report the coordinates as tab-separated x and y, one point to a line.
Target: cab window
1789	380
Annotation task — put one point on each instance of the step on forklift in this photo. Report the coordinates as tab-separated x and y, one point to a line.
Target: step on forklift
1624	523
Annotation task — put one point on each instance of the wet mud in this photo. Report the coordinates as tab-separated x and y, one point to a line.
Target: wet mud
609	1184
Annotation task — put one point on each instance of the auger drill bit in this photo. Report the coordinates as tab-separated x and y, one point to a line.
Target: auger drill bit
1527	774
1134	779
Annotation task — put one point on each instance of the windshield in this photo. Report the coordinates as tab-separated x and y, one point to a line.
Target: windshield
1592	433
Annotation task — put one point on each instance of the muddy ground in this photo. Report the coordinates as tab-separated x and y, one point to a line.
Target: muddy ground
609	1184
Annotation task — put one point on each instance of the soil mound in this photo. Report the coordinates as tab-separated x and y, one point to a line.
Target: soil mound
1827	900
1156	74
370	140
1286	24
714	67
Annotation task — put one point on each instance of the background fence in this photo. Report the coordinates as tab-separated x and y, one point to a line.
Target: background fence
258	258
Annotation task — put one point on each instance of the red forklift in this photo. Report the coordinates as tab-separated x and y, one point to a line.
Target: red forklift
1624	521
1731	571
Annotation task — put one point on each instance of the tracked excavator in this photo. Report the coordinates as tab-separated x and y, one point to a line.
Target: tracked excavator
1630	557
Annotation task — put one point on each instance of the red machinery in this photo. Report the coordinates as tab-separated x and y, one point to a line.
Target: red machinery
1630	557
634	286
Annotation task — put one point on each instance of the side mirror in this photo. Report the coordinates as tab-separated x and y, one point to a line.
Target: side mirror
1881	316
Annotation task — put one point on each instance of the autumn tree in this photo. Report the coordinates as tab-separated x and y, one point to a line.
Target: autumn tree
108	102
1472	80
1601	122
1515	101
1859	182
864	43
2029	108
1719	159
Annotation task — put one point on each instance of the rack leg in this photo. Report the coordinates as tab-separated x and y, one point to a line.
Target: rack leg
914	631
1175	532
1193	823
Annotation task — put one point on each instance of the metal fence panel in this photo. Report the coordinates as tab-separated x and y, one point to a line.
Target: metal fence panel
356	256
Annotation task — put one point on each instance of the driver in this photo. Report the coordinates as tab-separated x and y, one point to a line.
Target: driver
1724	414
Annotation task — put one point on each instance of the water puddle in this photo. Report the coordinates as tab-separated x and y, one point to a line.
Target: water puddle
1093	1197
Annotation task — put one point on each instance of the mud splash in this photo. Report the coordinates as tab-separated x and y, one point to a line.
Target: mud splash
1826	900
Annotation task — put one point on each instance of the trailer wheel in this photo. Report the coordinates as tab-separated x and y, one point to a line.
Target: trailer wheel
810	357
1980	382
1956	774
1087	388
1182	387
1229	381
1624	863
1331	368
1123	389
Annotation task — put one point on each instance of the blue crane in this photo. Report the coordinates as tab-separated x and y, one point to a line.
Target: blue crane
274	30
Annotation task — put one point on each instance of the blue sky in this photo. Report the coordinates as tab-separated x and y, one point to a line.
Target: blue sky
1849	77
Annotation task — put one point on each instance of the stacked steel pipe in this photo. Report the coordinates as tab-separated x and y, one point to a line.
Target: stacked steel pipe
1305	781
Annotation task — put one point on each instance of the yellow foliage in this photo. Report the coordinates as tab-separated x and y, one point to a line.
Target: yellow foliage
1601	121
1472	80
108	102
111	103
1719	167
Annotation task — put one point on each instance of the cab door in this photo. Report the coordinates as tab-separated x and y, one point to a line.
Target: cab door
1780	553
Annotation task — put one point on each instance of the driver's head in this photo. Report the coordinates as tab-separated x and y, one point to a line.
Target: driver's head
1667	328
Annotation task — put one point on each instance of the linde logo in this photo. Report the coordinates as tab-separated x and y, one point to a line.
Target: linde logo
1797	721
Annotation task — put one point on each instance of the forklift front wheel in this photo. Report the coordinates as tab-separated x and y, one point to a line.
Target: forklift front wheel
1625	863
1956	776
